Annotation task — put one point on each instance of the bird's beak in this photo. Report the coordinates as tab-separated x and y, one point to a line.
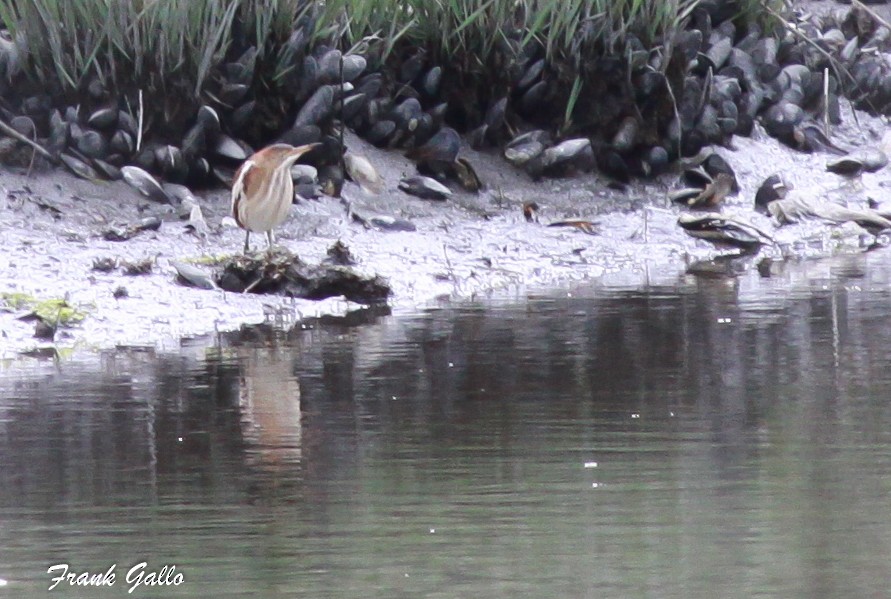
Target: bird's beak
301	150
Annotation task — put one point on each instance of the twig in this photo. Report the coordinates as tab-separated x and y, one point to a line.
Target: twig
18	136
826	102
139	124
872	13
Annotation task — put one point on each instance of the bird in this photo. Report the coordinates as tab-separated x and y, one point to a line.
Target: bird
262	190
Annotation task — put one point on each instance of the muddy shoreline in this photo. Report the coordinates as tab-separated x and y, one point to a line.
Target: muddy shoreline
473	245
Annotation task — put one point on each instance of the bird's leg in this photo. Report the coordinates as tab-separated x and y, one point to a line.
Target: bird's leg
270	239
247	241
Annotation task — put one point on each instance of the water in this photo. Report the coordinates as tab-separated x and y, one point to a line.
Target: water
719	438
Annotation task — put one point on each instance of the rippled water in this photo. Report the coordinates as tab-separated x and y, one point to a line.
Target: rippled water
720	438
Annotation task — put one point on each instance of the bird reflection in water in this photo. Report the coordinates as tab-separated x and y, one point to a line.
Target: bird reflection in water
269	402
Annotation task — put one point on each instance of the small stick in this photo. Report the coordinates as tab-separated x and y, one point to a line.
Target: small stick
826	102
18	136
139	127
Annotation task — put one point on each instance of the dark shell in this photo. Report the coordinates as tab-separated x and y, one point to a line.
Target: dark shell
109	171
172	163
242	115
317	108
477	137
425	188
300	136
715	165
232	94
430	82
467	176
145	184
78	167
406	114
626	137
437	113
381	132
329	67
534	97
233	149
771	189
353	66
720	230
122	143
104	118
59	133
411	68
24	125
128	123
656	160
442	147
91	143
495	115
532	74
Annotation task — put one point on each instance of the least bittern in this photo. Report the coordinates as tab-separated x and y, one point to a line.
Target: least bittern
263	191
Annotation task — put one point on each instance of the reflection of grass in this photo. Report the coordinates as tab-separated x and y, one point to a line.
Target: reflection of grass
53	311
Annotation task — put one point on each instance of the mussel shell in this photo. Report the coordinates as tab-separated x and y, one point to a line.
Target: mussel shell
146	184
78	167
103	118
231	148
495	115
425	188
352	106
172	163
121	143
771	189
304	173
411	68
718	53
353	66
431	81
381	132
716	165
243	115
300	136
128	123
24	125
91	144
626	137
477	137
317	109
406	114
109	171
466	175
442	147
531	74
232	94
331	178
329	67
534	97
565	151
59	132
361	171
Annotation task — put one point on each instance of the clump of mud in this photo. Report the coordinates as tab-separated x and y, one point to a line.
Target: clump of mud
281	272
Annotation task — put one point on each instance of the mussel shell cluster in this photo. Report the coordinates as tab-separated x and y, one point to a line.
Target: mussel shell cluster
635	112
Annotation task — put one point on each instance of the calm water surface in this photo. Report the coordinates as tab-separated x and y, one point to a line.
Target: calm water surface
720	438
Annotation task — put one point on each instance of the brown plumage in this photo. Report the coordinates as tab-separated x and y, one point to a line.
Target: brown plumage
263	191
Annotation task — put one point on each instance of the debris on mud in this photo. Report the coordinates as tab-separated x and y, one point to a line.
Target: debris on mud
281	272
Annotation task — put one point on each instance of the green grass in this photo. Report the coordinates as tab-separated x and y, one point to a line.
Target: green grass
174	48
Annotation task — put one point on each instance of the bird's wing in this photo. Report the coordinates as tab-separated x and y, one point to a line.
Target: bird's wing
238	185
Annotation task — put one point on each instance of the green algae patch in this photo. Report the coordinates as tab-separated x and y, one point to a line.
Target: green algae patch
55	311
